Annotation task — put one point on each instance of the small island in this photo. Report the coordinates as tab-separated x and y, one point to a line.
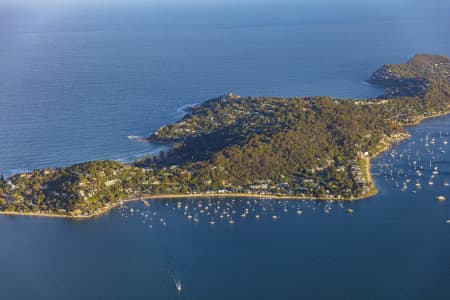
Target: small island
300	148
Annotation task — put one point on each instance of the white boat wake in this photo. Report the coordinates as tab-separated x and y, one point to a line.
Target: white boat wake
178	285
176	282
185	108
137	138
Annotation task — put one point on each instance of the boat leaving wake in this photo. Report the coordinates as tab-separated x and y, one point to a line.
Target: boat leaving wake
176	282
177	285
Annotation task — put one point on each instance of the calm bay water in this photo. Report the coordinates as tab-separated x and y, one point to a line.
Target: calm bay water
75	83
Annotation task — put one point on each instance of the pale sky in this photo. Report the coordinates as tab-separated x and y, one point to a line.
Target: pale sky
209	2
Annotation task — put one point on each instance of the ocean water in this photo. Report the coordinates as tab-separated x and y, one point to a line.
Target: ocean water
75	82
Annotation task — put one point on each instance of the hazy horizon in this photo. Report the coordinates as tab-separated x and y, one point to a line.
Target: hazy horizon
38	15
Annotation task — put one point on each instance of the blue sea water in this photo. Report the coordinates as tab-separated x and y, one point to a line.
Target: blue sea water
75	82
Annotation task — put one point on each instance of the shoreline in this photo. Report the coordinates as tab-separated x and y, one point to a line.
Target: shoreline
53	215
367	172
179	196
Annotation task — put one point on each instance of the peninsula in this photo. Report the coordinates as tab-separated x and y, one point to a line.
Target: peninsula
301	147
